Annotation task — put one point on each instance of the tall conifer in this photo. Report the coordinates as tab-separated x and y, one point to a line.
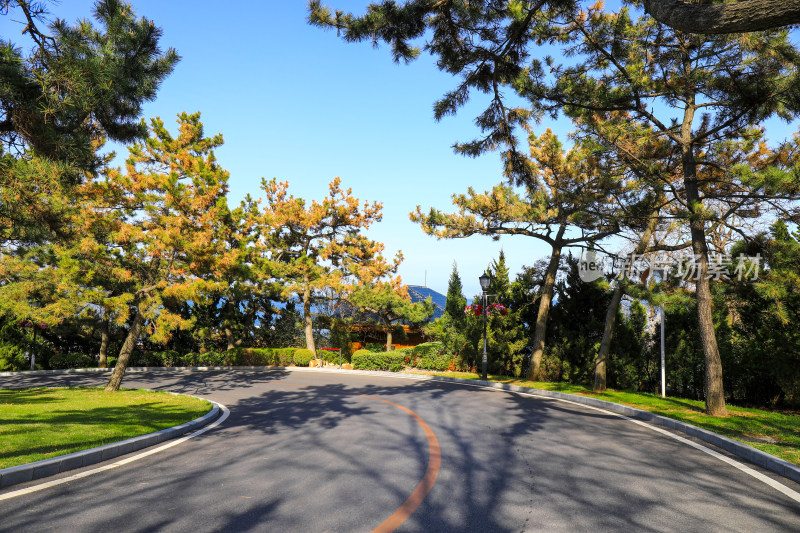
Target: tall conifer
455	303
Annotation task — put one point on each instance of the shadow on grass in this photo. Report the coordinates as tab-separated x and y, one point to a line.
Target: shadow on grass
27	397
77	430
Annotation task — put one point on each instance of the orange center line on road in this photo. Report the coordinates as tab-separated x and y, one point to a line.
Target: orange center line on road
427	481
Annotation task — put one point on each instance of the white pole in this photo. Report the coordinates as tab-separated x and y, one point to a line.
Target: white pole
663	372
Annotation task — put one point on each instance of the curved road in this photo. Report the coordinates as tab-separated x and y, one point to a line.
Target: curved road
320	451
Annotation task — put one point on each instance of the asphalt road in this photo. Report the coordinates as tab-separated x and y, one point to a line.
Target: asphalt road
320	451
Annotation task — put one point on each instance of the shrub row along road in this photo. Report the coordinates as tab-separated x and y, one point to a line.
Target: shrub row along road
317	451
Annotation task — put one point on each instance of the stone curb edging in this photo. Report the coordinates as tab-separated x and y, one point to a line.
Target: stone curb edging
755	456
56	465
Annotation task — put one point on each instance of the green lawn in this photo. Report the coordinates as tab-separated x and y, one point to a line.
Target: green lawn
779	429
42	423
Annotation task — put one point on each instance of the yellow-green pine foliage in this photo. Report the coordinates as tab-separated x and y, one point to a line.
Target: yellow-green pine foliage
313	247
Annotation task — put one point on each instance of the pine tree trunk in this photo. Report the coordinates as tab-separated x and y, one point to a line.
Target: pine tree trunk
126	351
715	394
309	326
534	369
229	338
232	342
104	337
601	362
389	338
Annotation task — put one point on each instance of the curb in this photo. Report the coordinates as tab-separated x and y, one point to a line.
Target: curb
757	457
56	465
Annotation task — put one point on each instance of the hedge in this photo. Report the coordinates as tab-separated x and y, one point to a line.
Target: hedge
431	356
428	348
62	361
393	361
434	362
427	356
171	358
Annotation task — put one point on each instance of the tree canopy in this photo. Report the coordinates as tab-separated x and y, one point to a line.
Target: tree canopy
318	246
77	86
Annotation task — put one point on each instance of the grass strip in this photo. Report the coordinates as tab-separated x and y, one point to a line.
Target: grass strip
774	432
42	423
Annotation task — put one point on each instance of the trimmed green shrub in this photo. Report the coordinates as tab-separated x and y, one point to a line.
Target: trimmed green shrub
393	361
302	356
408	354
165	358
62	361
268	356
250	356
285	356
171	358
150	359
190	359
211	359
428	348
12	358
375	347
256	357
261	357
434	362
138	358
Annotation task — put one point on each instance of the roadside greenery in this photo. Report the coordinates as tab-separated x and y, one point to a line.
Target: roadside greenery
150	266
44	423
172	358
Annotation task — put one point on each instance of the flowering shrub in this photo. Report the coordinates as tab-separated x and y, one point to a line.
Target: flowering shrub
474	309
497	308
477	309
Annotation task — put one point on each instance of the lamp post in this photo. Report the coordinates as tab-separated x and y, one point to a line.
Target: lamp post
484	280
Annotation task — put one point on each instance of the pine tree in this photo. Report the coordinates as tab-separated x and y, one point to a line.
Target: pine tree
765	314
570	190
78	86
695	92
499	283
453	328
149	239
308	249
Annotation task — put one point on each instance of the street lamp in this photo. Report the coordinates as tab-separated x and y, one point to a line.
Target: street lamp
484	280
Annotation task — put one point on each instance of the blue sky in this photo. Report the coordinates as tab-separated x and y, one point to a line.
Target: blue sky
297	103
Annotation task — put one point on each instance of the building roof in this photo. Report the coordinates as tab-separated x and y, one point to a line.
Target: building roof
418	293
